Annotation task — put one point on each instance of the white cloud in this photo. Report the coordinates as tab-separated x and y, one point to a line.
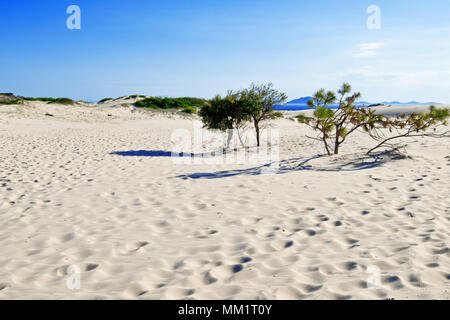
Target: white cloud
384	84
368	49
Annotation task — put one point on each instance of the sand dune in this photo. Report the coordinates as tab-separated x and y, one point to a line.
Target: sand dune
139	226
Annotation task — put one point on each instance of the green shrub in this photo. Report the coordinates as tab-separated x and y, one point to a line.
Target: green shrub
170	103
49	114
63	101
16	101
189	110
9	98
134	96
51	100
104	100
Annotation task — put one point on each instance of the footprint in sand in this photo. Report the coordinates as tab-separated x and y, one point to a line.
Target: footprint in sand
246	259
393	281
131	248
70	269
135	290
204	234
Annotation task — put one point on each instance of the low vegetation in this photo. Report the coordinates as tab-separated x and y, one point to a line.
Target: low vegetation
254	104
225	114
16	101
334	126
413	125
66	101
9	98
170	103
135	96
105	100
260	103
189	110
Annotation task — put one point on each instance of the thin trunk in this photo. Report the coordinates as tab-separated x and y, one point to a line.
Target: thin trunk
326	145
336	149
230	136
257	132
240	138
336	142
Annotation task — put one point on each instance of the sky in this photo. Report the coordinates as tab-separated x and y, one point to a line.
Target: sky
202	48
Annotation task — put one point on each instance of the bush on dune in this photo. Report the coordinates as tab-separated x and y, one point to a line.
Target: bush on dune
260	101
10	102
170	103
104	100
254	104
9	98
225	114
189	110
65	101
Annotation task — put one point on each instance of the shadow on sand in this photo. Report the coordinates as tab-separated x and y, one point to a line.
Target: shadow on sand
161	153
363	162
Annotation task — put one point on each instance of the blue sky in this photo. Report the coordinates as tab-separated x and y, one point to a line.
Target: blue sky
201	48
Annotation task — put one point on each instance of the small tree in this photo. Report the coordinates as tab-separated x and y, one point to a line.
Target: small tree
224	114
336	125
413	125
259	102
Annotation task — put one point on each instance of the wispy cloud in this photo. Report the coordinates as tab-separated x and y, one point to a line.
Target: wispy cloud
368	49
378	84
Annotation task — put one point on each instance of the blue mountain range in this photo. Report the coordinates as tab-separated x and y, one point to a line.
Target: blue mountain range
302	104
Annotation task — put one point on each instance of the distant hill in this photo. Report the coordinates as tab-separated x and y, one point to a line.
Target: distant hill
303	100
302	104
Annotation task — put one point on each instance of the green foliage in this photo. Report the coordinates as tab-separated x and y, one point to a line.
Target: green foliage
415	124
323	113
189	110
224	113
260	101
336	125
301	118
106	99
253	104
276	115
170	103
10	102
9	98
322	98
65	101
48	114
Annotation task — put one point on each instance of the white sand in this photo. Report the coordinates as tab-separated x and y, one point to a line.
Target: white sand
136	229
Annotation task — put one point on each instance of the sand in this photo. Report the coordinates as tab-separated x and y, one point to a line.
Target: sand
94	189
